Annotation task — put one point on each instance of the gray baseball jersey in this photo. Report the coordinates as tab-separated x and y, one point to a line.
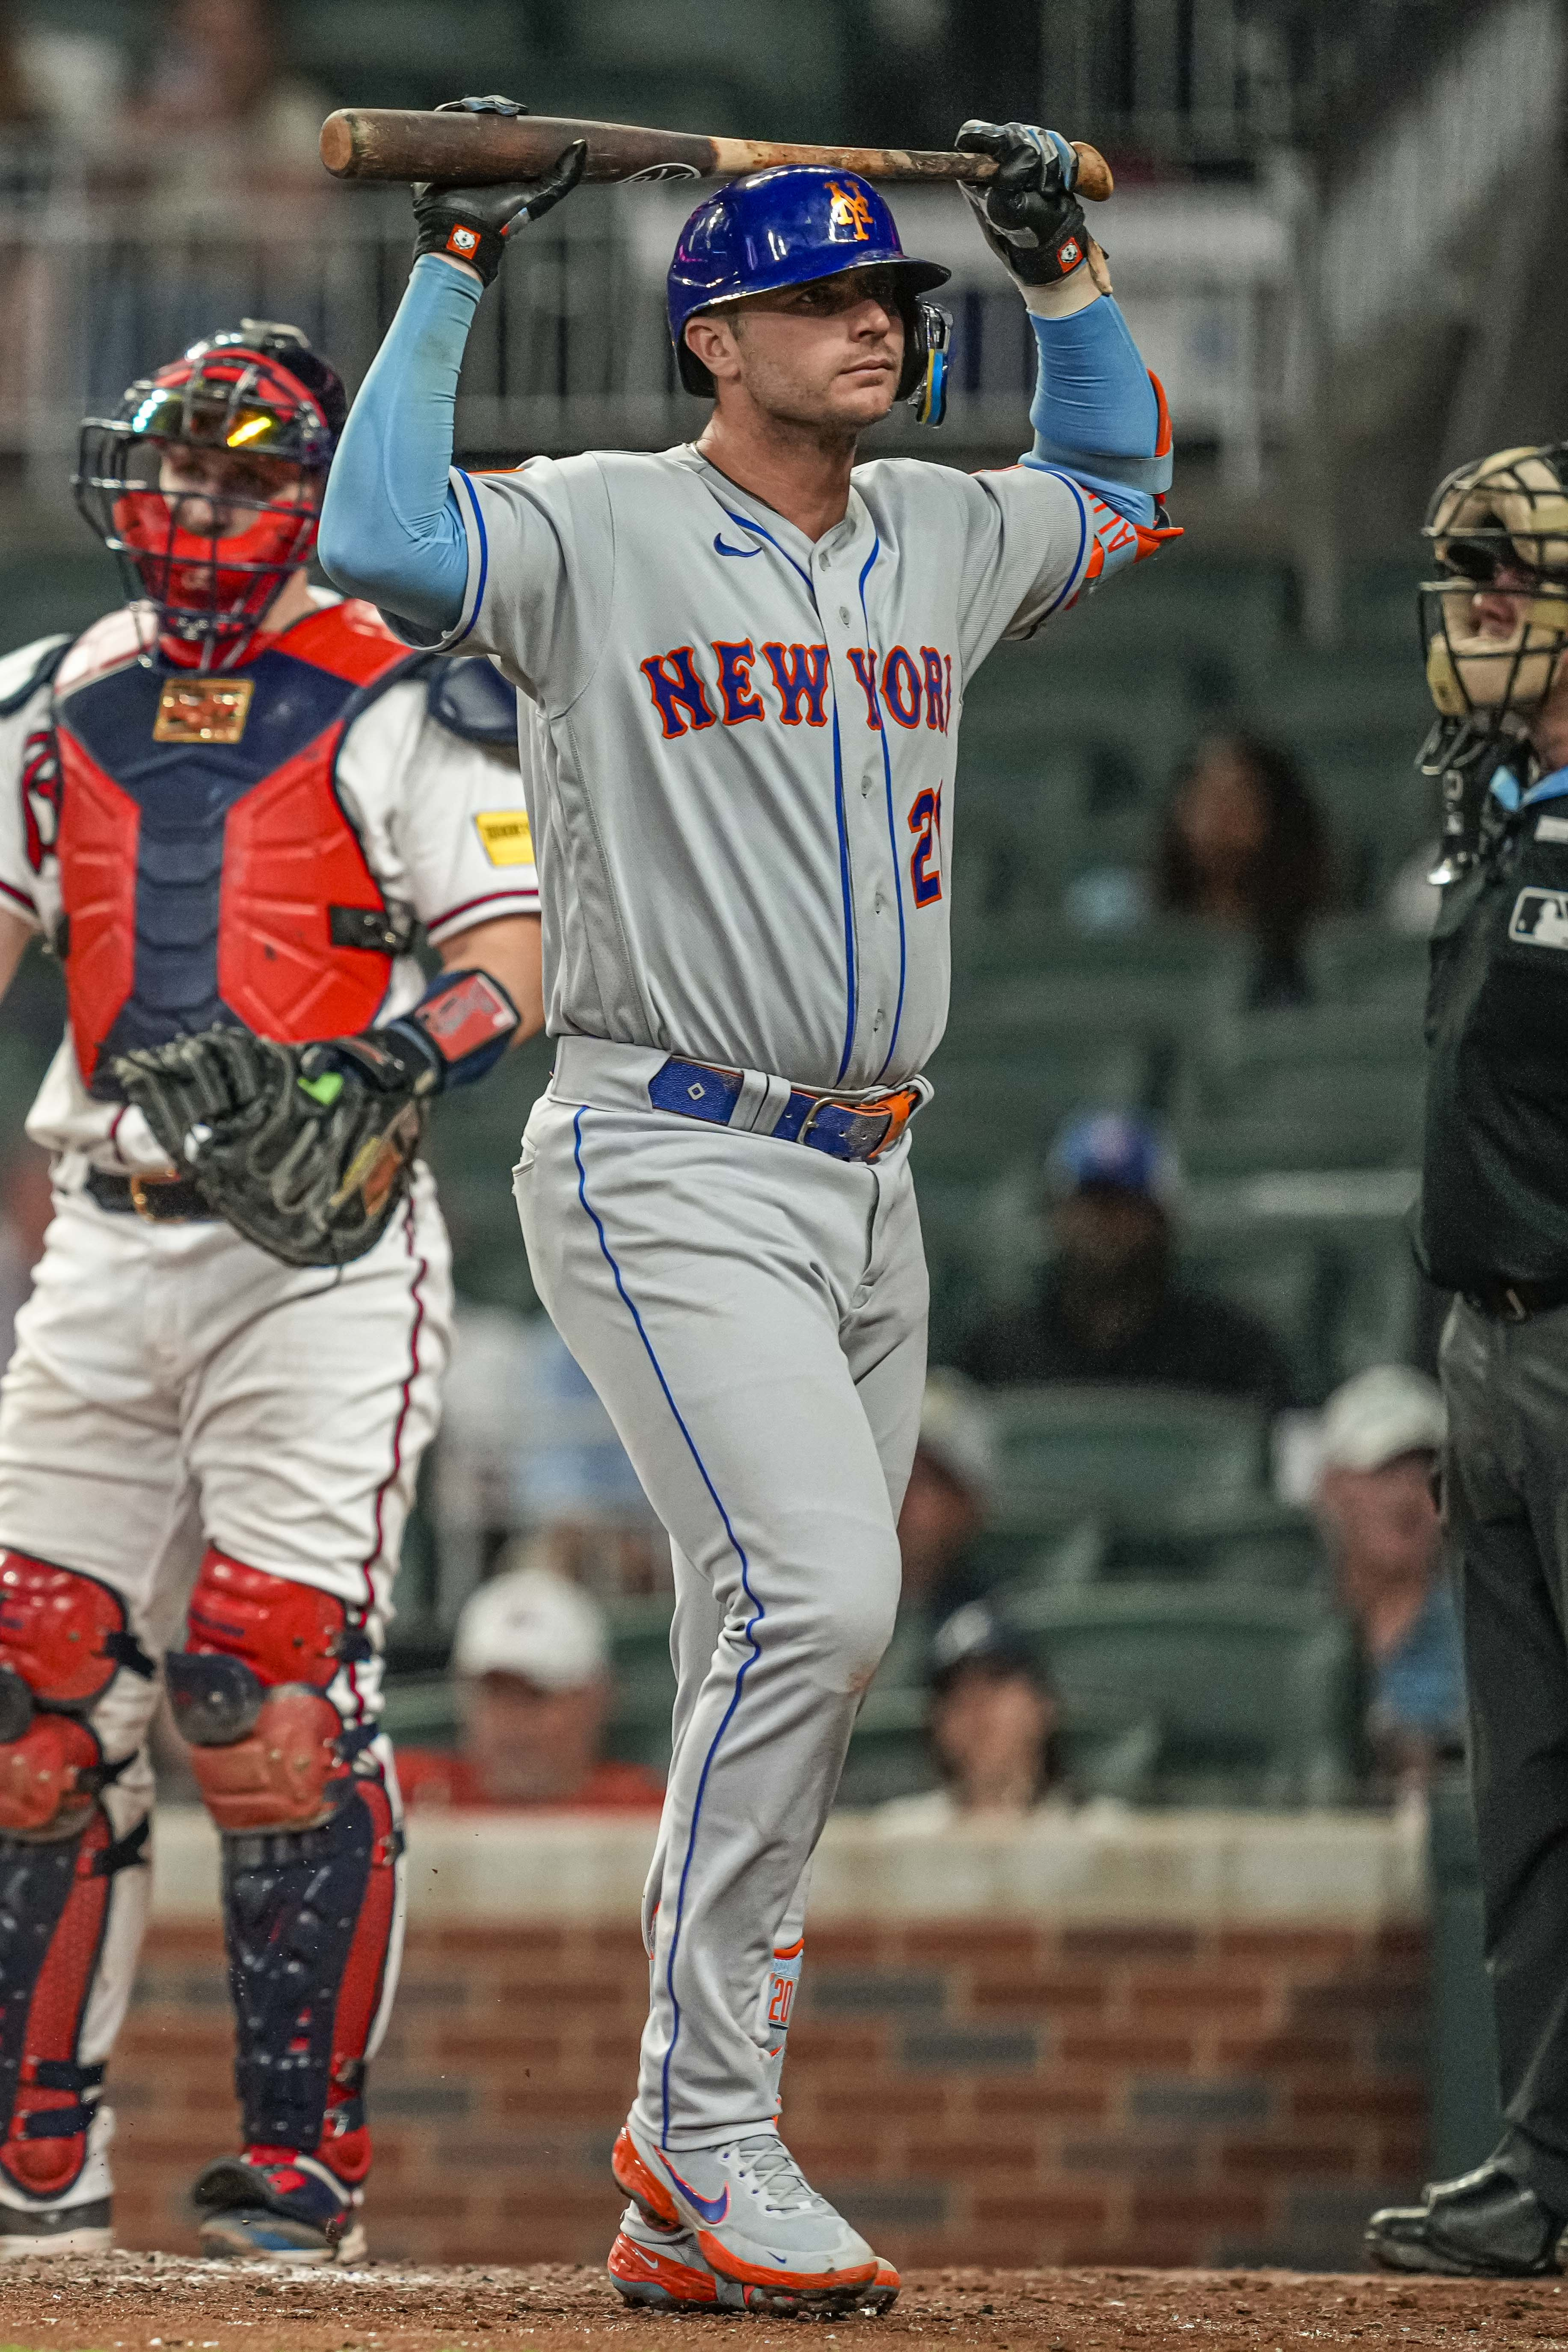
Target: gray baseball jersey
742	744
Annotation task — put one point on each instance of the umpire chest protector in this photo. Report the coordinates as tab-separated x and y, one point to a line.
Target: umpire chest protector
1495	1174
209	872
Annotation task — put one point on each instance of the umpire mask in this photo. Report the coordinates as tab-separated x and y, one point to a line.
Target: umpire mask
1494	622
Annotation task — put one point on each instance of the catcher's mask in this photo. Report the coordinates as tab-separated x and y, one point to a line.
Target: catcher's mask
207	485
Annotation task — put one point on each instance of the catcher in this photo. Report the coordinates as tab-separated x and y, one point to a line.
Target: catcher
229	808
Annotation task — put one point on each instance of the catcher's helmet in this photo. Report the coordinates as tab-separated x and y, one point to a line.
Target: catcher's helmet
790	225
209	558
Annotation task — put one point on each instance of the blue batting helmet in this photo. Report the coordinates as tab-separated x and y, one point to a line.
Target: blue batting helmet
784	228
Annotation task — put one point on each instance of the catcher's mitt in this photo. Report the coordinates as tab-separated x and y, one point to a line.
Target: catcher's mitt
305	1150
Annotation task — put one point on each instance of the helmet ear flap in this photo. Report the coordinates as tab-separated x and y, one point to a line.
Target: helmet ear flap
928	333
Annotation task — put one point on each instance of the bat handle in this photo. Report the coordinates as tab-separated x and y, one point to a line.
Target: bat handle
1094	174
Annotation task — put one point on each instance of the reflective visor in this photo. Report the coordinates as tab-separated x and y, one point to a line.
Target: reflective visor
166	415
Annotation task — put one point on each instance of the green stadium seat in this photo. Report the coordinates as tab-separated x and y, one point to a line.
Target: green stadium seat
421	1709
1065	1452
1329	1120
1269	1061
1281	1280
1355	961
1256	1693
998	1111
472	1146
1248	1541
638	1731
1373	1304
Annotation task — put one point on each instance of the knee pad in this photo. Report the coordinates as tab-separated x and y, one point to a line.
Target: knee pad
63	1639
249	1691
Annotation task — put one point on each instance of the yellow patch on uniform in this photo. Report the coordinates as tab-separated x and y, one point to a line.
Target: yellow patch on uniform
506	835
203	710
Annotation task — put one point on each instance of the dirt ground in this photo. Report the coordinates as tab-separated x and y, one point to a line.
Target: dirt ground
159	2302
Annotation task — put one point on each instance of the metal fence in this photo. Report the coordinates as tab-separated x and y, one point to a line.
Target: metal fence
571	351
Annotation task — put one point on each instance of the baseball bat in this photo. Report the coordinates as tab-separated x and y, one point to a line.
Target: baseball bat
384	142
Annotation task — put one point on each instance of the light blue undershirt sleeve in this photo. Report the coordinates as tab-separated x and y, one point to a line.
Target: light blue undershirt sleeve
1094	413
391	530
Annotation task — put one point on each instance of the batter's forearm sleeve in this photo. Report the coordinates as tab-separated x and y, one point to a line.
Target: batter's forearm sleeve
1096	412
391	530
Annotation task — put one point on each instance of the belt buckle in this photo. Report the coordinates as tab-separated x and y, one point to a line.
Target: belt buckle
139	1196
819	1103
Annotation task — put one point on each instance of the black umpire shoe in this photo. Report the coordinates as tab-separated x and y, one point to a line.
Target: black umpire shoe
1486	2224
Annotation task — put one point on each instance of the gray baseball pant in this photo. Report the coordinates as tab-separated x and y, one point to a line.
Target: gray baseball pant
752	1314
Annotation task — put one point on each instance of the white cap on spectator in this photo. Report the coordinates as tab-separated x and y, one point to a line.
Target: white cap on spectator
534	1623
1380	1415
955	1431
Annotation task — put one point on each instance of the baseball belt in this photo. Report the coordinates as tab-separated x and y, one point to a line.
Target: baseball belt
846	1127
159	1200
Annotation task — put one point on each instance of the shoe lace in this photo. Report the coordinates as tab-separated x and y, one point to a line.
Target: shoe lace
786	2190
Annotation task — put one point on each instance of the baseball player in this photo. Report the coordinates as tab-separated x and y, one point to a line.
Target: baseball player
743	664
227	806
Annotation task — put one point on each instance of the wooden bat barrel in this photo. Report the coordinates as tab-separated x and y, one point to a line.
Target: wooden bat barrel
376	143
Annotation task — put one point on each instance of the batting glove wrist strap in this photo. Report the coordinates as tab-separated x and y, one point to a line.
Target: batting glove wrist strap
1028	214
472	225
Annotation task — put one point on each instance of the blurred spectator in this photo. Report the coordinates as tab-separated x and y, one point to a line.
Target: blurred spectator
531	1662
572	1477
56	80
220	126
27	1204
948	1496
1108	1306
991	1728
1381	1438
526	1447
1244	846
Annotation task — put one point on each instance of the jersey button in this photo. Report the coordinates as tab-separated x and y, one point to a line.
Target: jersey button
843	615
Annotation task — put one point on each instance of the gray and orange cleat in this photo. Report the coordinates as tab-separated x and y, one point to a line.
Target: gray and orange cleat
738	2228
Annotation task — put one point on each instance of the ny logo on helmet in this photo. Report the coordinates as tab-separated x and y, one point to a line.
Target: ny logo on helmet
849	210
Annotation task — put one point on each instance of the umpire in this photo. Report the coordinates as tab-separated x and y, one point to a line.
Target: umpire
1494	1228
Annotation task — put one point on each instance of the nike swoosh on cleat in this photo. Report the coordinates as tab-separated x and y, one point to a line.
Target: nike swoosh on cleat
712	2209
720	548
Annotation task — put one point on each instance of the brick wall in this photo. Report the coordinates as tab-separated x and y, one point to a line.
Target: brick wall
972	2092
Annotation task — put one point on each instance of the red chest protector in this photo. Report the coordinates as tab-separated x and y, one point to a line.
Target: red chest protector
208	869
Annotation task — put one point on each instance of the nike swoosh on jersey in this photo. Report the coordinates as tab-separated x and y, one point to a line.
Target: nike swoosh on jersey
720	549
711	2208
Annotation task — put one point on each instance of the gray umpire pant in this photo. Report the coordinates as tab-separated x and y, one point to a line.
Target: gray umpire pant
1505	1497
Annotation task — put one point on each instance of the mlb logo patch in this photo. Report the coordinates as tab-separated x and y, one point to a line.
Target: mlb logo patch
463	242
1540	919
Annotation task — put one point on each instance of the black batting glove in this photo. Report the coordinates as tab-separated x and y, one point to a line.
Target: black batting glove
472	225
1028	214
